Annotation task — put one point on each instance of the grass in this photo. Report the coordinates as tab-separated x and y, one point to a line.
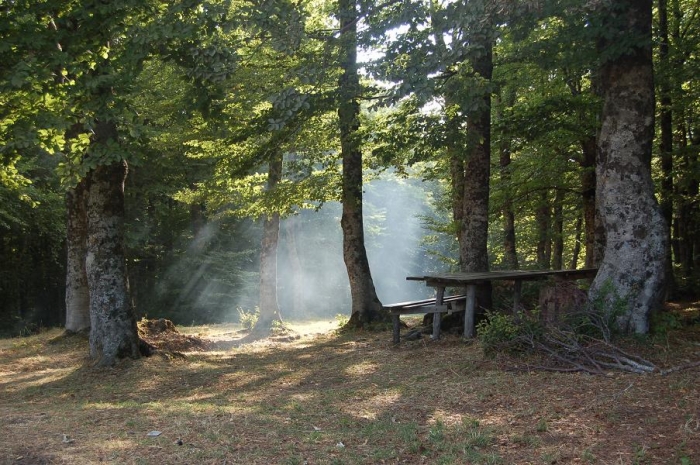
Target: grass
337	399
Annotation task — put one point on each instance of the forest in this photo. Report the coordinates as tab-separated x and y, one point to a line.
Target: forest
207	208
201	160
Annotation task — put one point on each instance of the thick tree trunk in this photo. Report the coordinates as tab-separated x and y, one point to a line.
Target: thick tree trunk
269	307
633	270
77	293
365	303
113	333
474	225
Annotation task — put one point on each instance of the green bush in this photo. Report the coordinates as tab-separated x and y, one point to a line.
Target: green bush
248	319
501	331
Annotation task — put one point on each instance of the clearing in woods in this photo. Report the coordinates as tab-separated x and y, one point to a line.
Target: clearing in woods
339	399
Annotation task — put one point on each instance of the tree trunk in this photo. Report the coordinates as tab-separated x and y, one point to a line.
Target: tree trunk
296	280
595	235
558	231
77	292
269	307
666	129
633	271
577	243
473	243
543	216
510	256
113	333
365	303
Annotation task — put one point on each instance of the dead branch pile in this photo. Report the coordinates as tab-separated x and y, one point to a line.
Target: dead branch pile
586	347
562	350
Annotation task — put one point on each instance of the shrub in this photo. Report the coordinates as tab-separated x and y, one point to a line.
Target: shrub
248	319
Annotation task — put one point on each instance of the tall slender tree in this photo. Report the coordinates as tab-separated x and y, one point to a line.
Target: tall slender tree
366	306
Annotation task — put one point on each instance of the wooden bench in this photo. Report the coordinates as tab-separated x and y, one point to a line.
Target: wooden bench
454	303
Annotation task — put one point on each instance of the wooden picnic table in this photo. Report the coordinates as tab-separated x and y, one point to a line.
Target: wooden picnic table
441	281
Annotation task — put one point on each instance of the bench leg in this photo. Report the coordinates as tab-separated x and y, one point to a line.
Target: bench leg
469	330
437	316
517	288
397	328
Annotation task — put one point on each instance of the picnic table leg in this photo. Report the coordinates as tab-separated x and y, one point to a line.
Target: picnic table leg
470	306
517	287
397	328
437	315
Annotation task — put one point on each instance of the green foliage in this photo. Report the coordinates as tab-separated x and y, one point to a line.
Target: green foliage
247	319
664	322
606	308
501	331
341	320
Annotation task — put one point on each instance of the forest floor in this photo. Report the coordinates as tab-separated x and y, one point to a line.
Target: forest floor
329	398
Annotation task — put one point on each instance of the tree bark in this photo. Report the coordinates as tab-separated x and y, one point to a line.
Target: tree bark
543	216
633	271
268	304
666	130
113	333
473	228
77	292
595	235
366	306
510	255
577	243
558	231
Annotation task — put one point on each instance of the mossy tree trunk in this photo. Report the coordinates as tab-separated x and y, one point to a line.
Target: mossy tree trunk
633	272
113	332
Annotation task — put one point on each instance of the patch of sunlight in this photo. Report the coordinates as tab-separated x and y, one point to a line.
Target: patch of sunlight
371	406
312	327
114	444
221	329
301	397
199	396
111	405
446	418
16	381
362	369
241	379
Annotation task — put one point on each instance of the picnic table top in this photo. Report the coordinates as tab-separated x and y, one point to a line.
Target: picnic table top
448	279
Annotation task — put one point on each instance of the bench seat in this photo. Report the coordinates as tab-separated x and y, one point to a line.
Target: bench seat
450	304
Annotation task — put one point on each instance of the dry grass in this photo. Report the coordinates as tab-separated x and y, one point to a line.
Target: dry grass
339	399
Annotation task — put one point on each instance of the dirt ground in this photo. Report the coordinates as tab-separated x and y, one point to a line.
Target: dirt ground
308	398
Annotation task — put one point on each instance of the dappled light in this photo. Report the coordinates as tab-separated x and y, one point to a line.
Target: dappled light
354	397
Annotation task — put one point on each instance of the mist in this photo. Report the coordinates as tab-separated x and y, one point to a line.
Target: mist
212	274
312	278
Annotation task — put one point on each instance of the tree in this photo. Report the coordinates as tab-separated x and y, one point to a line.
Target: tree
77	290
269	308
634	266
365	303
